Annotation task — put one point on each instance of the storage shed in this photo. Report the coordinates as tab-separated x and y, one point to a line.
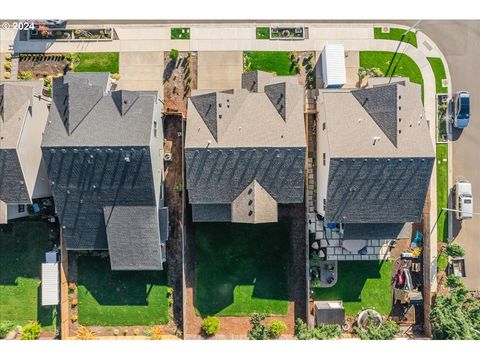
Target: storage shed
333	66
329	312
50	284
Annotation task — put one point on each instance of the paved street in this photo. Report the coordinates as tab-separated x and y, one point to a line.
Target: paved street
460	43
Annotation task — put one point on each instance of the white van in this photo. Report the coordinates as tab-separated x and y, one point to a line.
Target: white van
464	199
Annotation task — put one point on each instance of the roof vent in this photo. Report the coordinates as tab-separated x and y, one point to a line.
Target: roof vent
376	139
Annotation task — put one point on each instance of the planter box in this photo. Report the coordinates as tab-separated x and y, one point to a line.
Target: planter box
74	35
287	33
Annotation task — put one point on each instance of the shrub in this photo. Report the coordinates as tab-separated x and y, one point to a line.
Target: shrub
31	331
8	66
210	325
454	282
179	187
72	287
25	75
454	250
74	317
156	333
136	332
147	332
362	72
84	334
116	76
74	302
7	74
8	57
276	328
322	332
385	331
5	327
116	332
258	330
375	72
125	332
173	54
169	292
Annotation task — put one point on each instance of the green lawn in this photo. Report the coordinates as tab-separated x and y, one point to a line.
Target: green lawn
361	284
180	33
442	192
116	298
263	33
439	72
21	255
98	62
241	269
277	62
392	64
397	35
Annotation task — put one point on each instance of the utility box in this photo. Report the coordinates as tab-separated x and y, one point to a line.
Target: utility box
334	74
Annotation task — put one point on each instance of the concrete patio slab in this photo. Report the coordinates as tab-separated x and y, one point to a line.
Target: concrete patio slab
141	71
220	69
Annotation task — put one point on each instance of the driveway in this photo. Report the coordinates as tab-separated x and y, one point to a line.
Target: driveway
220	69
141	71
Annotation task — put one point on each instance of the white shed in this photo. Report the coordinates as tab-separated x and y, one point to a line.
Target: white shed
50	284
333	66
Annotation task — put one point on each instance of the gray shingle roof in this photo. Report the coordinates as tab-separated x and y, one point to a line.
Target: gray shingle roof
133	244
85	113
211	212
235	137
375	231
381	104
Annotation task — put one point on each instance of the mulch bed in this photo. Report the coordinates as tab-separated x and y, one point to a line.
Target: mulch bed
174	81
41	68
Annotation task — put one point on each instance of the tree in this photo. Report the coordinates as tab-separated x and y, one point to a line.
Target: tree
362	72
454	250
385	331
210	325
276	328
173	54
258	331
456	316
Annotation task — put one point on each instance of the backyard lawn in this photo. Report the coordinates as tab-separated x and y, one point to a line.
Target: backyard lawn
21	254
361	284
442	192
116	298
241	269
98	62
397	35
271	61
439	72
392	64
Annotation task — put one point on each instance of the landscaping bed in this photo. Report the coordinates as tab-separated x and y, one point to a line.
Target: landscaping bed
71	34
360	284
392	64
442	191
241	269
97	62
120	298
397	35
180	33
40	66
262	33
22	250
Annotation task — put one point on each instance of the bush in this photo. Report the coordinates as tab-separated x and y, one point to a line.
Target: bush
454	282
116	76
8	57
173	54
7	74
210	325
74	302
25	75
31	331
8	66
385	331
258	330
74	317
156	333
5	327
276	328
454	250
84	334
322	332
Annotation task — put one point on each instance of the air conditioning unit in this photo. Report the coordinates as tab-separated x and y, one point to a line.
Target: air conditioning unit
167	157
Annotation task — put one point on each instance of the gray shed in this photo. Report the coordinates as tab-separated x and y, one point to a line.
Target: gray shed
329	312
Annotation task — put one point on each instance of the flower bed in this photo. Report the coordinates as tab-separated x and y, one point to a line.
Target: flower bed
71	34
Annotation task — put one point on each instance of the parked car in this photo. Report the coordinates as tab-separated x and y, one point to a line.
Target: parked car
461	109
464	199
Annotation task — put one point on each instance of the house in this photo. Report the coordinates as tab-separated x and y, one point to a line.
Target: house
245	150
23	176
104	153
374	161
